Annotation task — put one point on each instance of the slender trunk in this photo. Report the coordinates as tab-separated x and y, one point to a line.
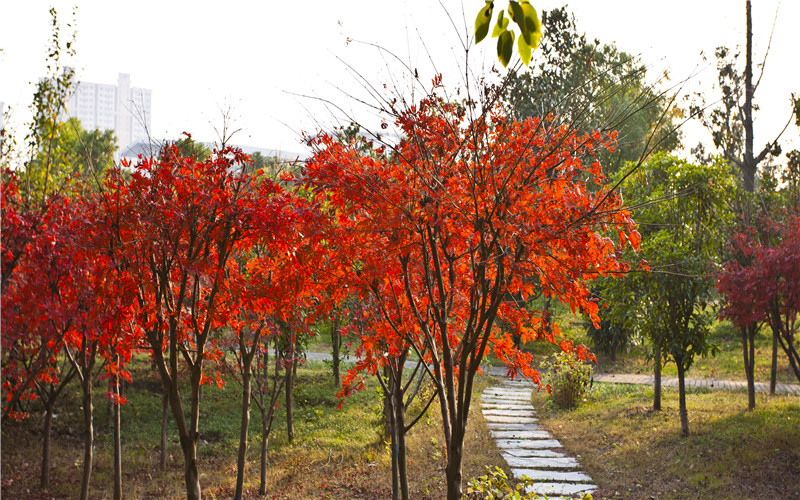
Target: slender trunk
748	353
262	488
749	162
387	409
454	455
88	440
336	340
162	462
289	403
117	441
400	423
391	424
44	481
773	372
241	461
682	398
657	379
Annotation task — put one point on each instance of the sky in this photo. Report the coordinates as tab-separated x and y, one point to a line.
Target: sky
283	68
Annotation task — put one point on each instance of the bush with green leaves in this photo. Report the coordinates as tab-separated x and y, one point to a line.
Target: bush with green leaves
567	378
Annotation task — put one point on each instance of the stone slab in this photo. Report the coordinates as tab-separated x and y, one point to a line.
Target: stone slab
506	393
510	419
502	412
506	399
542	462
540	434
495	426
552	475
520	444
531	453
561	488
506	406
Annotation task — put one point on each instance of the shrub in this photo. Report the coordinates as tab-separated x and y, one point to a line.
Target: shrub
567	378
496	485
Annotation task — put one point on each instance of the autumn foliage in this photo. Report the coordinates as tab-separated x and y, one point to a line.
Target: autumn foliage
451	233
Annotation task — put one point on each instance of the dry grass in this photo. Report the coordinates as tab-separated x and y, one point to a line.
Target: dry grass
336	453
632	452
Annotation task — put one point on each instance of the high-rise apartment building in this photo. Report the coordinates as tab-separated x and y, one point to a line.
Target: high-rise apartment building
121	108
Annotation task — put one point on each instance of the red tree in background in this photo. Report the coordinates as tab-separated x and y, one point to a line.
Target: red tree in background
178	221
454	229
762	283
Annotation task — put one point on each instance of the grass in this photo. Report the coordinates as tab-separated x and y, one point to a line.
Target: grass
633	452
727	364
337	453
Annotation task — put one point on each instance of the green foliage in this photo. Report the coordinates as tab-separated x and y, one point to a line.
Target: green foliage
593	86
496	485
526	19
682	211
567	377
42	173
609	337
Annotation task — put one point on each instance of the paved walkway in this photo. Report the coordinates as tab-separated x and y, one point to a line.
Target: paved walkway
630	378
730	385
529	450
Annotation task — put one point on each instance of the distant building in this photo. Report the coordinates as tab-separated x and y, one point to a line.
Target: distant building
124	109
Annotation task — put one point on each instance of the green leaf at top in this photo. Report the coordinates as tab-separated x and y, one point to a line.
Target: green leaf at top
524	50
505	47
531	26
501	26
482	22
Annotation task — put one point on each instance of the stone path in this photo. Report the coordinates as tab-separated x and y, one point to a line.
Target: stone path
529	450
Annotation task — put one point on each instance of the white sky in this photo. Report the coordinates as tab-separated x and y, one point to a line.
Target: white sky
202	56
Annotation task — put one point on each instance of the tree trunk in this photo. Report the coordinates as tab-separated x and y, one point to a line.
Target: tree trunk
117	441
88	440
241	461
162	462
454	455
773	372
289	403
748	353
400	423
262	488
749	163
657	379
682	398
336	343
388	413
44	481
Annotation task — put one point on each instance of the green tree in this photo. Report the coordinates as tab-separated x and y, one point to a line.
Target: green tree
591	86
680	207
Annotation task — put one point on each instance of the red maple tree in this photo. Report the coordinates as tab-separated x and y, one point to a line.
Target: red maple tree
451	231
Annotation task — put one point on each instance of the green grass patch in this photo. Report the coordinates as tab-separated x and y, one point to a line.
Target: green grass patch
633	452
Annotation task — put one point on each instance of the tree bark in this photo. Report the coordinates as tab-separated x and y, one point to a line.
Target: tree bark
241	461
749	163
88	439
336	343
682	398
117	442
748	353
773	372
289	403
262	488
657	379
400	423
454	455
44	480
